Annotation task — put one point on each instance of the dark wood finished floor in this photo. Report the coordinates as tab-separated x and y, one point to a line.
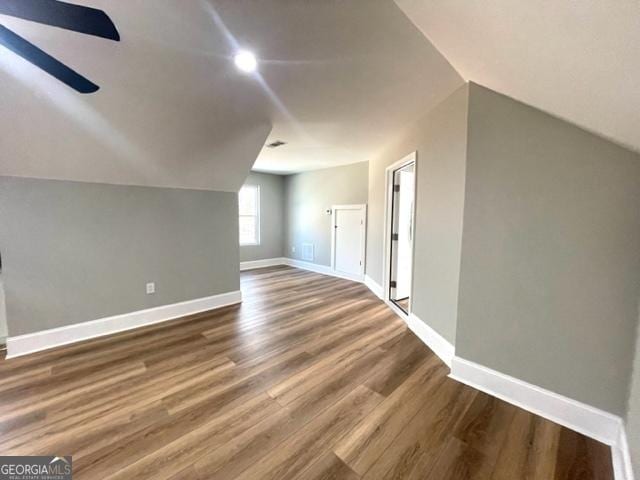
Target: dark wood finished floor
312	377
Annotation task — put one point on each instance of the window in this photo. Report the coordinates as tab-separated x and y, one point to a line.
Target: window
249	208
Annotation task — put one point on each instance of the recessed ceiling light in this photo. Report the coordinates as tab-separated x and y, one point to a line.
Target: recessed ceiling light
245	61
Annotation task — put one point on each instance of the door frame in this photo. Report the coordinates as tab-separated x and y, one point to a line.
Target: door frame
363	239
386	234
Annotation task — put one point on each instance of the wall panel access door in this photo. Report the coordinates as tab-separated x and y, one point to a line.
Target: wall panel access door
348	240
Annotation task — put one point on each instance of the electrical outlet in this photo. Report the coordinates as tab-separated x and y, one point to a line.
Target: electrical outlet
293	249
151	288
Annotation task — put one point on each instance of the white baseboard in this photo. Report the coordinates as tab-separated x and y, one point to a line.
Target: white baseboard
267	262
432	339
580	417
585	419
312	267
590	421
46	339
374	286
323	269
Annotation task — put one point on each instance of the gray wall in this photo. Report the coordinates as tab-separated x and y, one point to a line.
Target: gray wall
550	267
74	252
272	218
633	409
309	195
440	142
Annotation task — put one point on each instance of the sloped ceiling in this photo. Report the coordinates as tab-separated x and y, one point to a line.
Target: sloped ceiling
337	80
350	75
579	60
171	110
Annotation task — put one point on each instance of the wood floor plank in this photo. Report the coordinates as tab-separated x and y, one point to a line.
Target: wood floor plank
299	452
402	358
455	460
169	448
363	446
239	454
175	456
297	384
426	431
581	458
328	467
68	422
12	401
485	424
18	379
236	456
311	377
528	450
328	390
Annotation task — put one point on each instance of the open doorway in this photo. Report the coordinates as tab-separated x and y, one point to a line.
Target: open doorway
399	233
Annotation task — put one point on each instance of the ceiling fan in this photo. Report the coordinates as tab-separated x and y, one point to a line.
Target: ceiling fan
64	15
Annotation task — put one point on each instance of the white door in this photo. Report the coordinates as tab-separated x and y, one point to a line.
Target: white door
348	239
405	234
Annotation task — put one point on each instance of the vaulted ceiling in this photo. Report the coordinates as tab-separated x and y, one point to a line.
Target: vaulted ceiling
579	60
336	81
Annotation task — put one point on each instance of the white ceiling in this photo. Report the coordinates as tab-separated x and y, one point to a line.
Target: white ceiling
577	59
171	110
350	75
337	81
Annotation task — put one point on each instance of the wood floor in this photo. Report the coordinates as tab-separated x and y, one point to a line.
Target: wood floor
312	377
403	304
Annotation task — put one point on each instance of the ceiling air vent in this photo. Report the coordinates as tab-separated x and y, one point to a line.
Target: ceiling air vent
277	143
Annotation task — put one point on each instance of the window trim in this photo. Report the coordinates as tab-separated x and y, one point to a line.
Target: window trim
256	216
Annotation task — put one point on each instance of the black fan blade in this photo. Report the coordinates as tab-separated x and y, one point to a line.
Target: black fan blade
64	15
46	62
